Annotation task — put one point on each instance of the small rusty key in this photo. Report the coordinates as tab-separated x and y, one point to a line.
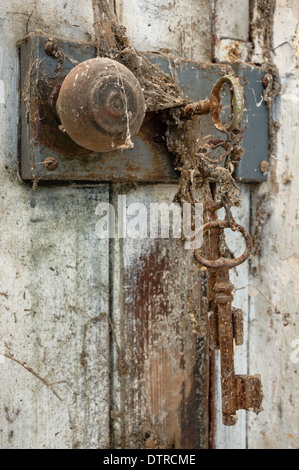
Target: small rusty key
238	391
212	105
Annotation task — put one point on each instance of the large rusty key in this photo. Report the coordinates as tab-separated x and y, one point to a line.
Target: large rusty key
238	391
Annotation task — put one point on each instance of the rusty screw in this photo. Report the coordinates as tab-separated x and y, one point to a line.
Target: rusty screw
51	48
264	167
50	163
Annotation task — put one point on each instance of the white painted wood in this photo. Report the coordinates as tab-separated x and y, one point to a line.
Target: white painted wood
232	19
183	27
275	297
231	30
54	320
54	275
64	18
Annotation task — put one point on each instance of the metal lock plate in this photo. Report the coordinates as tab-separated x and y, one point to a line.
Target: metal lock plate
41	139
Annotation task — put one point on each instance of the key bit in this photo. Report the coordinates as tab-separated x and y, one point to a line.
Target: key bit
238	329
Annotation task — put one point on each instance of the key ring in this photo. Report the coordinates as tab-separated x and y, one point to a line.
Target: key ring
237	103
225	262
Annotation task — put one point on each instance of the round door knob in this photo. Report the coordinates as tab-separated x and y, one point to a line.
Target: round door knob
101	105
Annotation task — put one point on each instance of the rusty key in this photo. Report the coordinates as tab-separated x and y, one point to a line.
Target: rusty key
238	391
212	105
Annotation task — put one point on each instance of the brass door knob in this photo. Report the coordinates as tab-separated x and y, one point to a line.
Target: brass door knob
101	105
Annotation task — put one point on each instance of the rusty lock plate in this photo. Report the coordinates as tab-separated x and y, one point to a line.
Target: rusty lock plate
49	154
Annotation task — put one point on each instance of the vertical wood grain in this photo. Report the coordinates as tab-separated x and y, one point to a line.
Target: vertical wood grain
161	371
160	362
54	329
274	305
183	27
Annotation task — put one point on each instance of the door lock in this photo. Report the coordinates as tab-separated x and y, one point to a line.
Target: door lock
106	111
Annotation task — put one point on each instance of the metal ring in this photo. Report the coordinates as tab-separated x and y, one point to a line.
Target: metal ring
224	262
237	103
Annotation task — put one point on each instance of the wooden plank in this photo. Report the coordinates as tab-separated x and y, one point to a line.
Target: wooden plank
160	365
60	17
160	368
231	30
54	274
54	382
182	27
274	326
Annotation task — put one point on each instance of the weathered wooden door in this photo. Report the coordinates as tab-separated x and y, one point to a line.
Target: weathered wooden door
97	338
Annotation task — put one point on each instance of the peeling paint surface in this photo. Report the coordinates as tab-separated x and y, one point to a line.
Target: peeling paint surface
274	306
182	27
274	299
53	277
231	30
55	314
161	366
